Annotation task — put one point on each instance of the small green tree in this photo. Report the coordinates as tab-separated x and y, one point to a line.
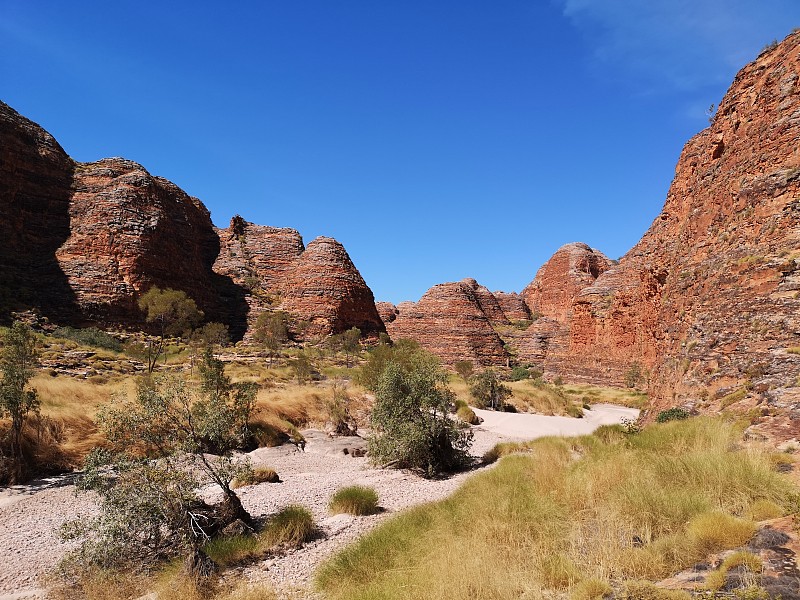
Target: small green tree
411	419
403	352
272	332
18	358
488	391
302	366
633	376
465	369
173	313
159	450
351	344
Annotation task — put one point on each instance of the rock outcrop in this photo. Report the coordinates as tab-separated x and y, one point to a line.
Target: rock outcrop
82	241
387	311
324	289
450	320
707	300
572	268
513	305
255	256
129	231
706	307
35	190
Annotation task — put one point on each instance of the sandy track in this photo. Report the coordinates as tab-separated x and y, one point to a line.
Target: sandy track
29	515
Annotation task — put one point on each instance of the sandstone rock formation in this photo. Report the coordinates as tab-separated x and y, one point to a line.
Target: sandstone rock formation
35	183
513	305
707	300
387	311
707	305
450	320
325	289
130	231
572	268
256	256
82	241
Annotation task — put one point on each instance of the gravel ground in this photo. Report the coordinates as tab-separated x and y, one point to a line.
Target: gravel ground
31	514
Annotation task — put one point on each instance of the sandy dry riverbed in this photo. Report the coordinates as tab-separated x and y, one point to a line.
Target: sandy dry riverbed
29	515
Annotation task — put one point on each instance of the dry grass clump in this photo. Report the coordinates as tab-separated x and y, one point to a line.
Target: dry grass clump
248	591
63	433
591	589
465	413
355	500
590	394
290	527
256	476
568	514
763	510
747	564
645	590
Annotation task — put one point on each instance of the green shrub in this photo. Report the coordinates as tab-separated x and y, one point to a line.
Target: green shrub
411	422
89	337
488	392
672	414
466	414
520	373
354	500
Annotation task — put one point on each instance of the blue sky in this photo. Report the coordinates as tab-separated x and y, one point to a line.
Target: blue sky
435	139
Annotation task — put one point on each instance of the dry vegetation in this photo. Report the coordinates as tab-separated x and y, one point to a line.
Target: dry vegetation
571	515
540	397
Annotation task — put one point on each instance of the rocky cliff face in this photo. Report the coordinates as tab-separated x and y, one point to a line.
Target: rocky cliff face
707	305
81	242
572	268
513	306
324	289
130	231
454	321
318	285
35	189
707	300
255	256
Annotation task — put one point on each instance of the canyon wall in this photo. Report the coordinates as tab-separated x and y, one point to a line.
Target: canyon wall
706	306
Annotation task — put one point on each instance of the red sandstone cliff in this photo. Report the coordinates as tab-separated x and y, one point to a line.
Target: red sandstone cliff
572	268
454	321
130	231
35	184
318	285
707	299
81	242
324	289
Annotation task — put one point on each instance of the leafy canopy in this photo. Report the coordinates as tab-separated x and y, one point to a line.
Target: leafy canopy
411	420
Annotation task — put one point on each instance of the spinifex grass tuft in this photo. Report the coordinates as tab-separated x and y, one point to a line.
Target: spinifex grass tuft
354	500
567	516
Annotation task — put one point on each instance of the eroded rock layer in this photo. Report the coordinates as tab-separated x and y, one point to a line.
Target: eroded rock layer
130	231
324	289
81	242
513	305
707	300
450	321
572	268
35	190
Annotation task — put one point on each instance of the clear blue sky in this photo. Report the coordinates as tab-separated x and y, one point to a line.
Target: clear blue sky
435	139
